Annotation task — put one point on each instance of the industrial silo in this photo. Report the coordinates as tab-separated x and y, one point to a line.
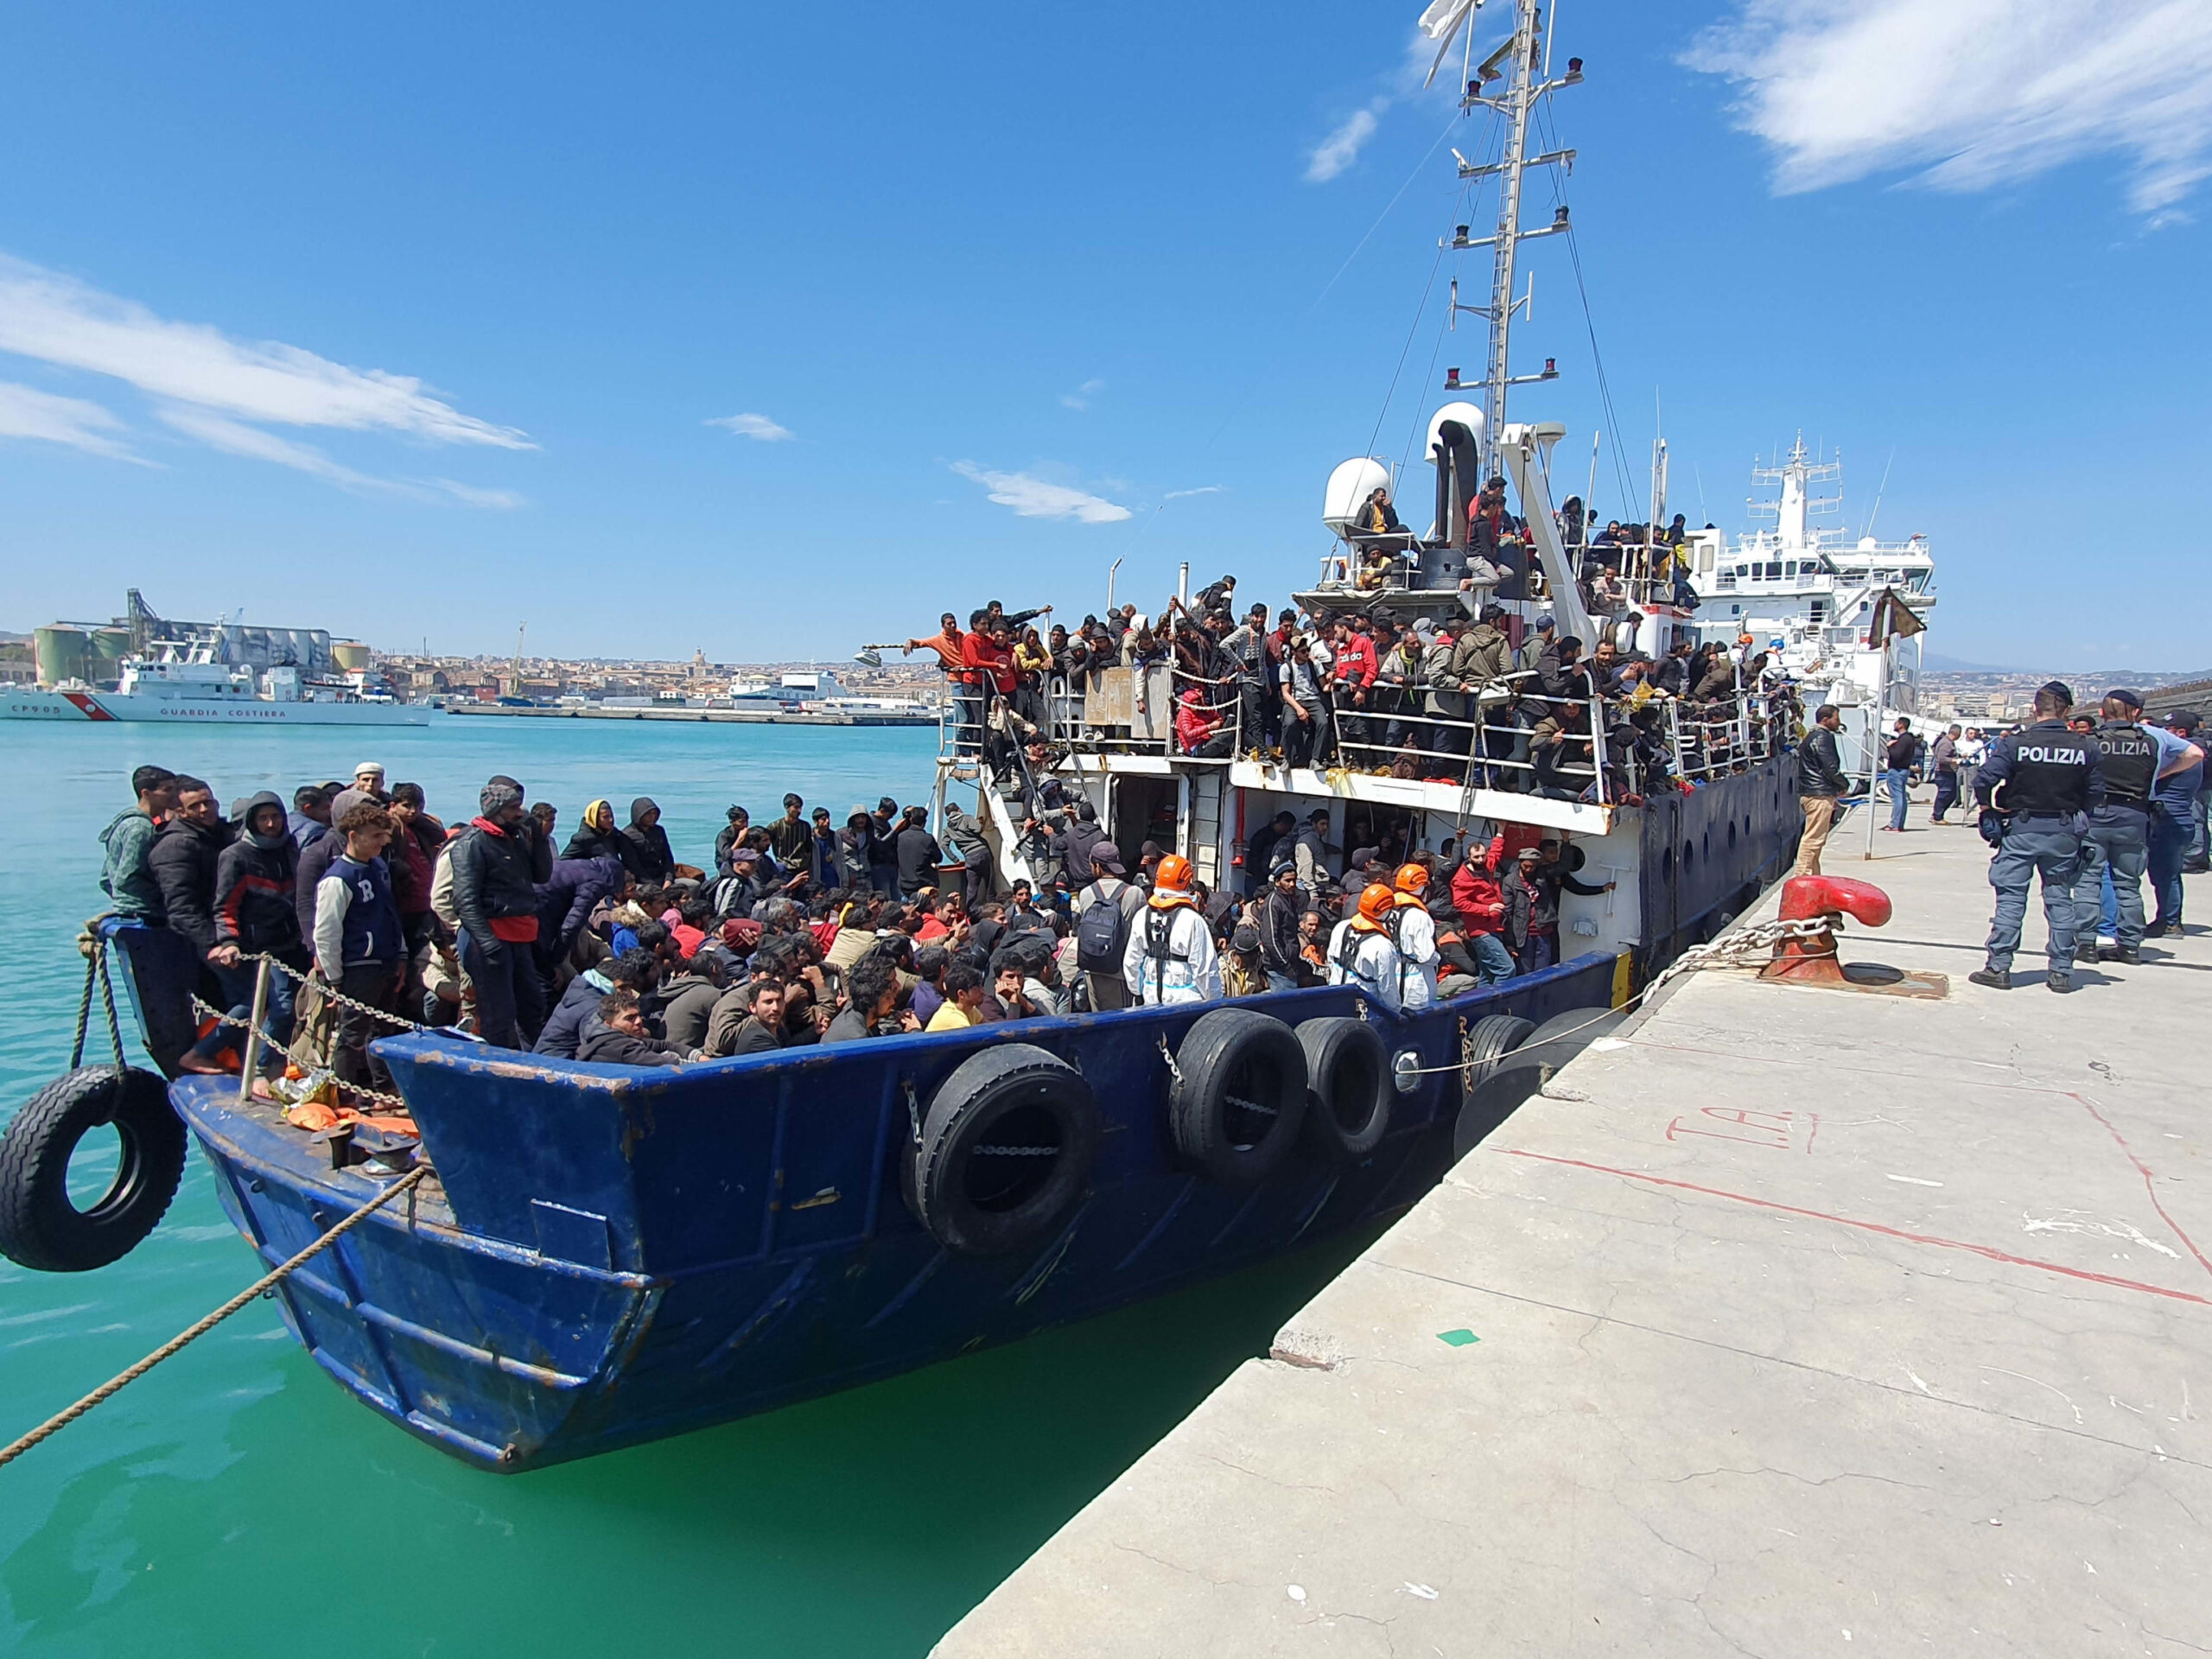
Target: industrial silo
109	647
63	654
351	657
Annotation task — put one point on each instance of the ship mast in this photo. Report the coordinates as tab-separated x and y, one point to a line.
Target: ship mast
1523	61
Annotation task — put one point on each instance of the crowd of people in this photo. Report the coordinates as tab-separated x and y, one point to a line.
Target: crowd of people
1458	699
605	946
2090	805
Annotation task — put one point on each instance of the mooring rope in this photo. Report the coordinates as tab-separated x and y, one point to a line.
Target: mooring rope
61	1419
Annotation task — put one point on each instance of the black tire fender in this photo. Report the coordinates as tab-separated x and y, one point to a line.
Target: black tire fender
1006	1150
1348	1086
1237	1095
39	1226
1495	1086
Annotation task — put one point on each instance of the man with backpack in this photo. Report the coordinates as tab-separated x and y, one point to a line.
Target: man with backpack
1363	951
1171	958
1104	913
1413	930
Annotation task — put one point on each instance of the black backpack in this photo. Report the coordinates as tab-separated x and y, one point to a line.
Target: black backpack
1102	934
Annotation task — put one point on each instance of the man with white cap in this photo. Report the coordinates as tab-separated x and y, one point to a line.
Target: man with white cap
367	790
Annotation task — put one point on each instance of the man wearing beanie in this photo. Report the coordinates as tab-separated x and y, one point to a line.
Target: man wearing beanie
493	868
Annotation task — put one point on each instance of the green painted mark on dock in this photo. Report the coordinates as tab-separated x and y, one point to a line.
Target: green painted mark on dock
1458	1338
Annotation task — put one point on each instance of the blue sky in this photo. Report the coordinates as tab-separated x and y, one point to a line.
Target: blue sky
416	322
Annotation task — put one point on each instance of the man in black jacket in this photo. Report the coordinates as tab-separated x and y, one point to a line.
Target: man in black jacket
1820	780
614	1034
646	853
255	911
494	899
1531	895
182	862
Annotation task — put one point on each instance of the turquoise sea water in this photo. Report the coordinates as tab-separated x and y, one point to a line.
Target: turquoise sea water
235	1504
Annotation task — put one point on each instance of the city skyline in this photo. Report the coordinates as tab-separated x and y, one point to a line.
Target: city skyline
353	322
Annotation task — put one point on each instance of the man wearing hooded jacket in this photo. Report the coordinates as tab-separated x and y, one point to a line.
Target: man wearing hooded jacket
496	906
252	912
645	852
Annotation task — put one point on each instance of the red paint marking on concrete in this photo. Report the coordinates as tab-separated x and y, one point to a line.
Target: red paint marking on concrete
1870	1227
2149	1185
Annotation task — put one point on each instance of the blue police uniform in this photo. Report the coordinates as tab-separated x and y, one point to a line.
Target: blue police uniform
2118	838
2050	778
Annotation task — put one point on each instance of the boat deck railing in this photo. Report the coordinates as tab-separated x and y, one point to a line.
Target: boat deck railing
1397	733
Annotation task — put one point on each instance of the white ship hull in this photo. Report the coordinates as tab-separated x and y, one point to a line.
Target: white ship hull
61	708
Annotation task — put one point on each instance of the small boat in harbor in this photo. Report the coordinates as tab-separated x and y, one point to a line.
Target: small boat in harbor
144	667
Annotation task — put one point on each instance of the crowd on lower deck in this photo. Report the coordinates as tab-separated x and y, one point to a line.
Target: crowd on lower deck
606	945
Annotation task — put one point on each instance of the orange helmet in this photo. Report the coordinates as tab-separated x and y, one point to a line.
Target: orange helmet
1375	904
1171	882
1411	881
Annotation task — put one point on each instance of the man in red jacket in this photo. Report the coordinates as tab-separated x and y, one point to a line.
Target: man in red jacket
1481	904
1356	668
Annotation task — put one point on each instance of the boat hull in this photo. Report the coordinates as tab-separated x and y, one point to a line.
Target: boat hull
611	1260
61	707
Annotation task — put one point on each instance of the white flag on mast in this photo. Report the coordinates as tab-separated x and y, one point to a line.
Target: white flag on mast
1443	16
1441	23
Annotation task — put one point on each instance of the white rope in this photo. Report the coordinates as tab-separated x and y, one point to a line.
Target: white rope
1720	953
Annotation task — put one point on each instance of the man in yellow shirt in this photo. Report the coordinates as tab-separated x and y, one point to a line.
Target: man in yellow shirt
963	995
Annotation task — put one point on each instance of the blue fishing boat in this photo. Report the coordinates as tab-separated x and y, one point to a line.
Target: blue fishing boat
575	1257
606	1255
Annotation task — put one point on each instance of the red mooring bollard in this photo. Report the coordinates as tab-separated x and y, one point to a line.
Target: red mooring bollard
1810	959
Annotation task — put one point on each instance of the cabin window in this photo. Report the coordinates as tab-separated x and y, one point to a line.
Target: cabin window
1774	570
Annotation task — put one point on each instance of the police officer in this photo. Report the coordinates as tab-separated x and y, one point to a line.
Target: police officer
2119	835
2051	777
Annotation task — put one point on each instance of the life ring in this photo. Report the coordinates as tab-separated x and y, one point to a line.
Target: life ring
1006	1149
1237	1095
40	1226
1492	1091
1348	1086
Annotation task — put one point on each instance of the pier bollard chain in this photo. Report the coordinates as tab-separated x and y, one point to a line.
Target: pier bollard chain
1751	948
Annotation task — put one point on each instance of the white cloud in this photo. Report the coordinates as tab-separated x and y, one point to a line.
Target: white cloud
1081	396
1341	148
1204	489
1972	94
237	438
59	320
752	426
1035	498
503	501
26	413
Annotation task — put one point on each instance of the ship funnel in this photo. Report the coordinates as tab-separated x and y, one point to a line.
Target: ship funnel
1455	445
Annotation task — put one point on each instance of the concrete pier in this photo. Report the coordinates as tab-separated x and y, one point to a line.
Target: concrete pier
1789	1321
